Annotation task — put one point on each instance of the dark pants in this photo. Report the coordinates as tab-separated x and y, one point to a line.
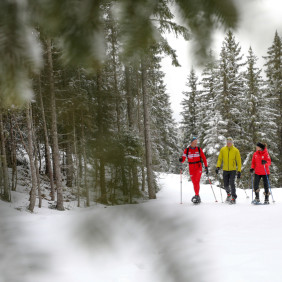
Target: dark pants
265	184
229	182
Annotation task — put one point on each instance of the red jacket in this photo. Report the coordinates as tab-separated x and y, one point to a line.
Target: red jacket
258	156
194	156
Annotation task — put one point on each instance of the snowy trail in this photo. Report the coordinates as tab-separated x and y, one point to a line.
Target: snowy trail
157	241
244	240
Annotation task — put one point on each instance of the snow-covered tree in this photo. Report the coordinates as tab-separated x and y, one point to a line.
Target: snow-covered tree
273	102
232	99
255	109
211	132
100	53
165	137
190	104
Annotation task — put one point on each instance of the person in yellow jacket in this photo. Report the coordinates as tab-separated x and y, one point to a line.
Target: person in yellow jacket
230	156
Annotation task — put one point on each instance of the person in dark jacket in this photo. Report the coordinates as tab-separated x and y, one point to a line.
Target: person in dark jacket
195	156
260	166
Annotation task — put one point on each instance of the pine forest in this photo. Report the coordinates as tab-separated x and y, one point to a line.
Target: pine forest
234	97
85	113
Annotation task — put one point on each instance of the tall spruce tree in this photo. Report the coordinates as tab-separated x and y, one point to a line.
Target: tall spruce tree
231	87
163	125
212	133
189	123
253	117
273	100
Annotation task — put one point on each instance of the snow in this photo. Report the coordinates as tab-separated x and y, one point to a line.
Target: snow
157	241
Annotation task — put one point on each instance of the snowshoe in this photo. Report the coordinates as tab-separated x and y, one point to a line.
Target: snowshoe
196	199
228	199
233	201
256	202
266	202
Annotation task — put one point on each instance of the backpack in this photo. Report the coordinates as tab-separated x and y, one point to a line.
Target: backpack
200	161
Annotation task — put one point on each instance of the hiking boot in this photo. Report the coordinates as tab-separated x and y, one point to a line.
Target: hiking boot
233	201
228	199
196	199
256	201
266	199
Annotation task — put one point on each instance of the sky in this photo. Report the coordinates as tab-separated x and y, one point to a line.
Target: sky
259	19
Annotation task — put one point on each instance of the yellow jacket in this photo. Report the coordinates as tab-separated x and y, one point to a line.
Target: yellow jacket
230	157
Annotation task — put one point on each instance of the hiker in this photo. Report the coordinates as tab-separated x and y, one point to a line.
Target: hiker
230	156
260	165
195	156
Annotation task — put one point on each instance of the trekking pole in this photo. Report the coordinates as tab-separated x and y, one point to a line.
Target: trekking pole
252	187
220	189
268	184
212	188
181	185
239	182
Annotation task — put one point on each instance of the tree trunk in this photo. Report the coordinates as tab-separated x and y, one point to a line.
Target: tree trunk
39	157
96	177
141	132
86	187
129	98
56	152
69	163
47	145
103	181
101	132
116	92
36	161
135	182
30	152
79	178
147	132
76	169
124	181
6	194
143	178
13	154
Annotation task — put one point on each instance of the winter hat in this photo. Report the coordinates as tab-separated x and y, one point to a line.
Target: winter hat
229	139
194	138
262	146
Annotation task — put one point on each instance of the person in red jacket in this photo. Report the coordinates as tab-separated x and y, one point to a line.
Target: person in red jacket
195	156
260	163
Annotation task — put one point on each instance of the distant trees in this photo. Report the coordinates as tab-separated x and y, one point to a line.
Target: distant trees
190	104
234	100
273	100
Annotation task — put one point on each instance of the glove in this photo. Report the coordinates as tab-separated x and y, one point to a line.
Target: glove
251	170
216	170
238	174
181	160
206	170
263	162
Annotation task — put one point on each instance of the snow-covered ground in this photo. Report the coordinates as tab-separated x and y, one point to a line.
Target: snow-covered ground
157	241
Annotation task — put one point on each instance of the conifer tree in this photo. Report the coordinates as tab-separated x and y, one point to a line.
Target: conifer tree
190	117
212	134
254	84
253	117
231	87
273	99
163	125
85	76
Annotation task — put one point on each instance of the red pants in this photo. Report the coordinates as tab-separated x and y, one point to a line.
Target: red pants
195	171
